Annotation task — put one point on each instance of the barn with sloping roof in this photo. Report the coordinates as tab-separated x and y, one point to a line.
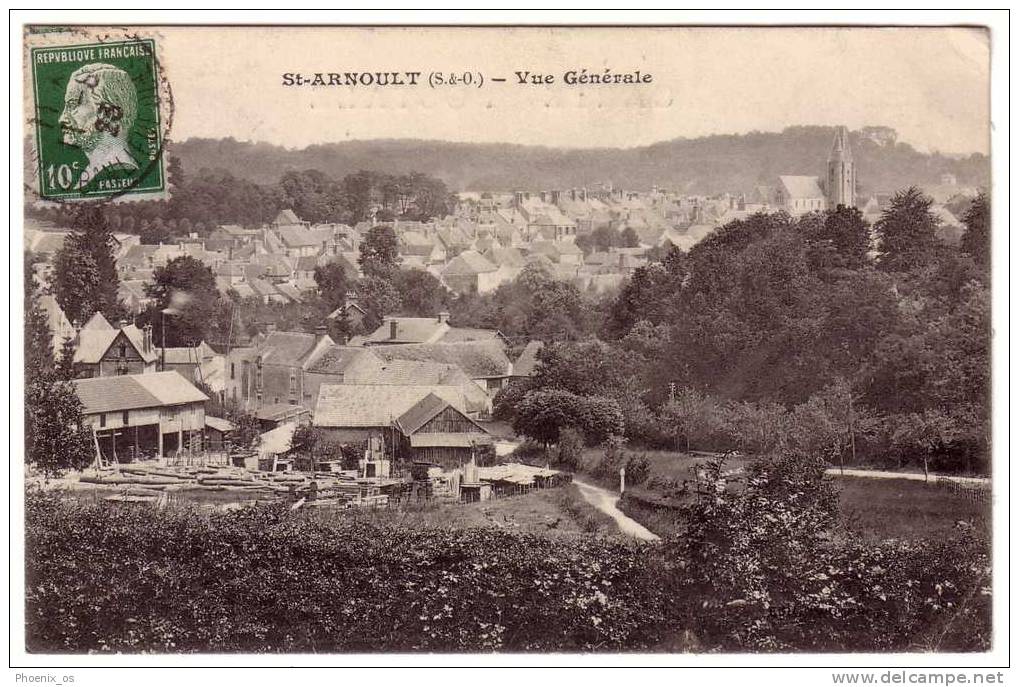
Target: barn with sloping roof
157	414
350	413
436	431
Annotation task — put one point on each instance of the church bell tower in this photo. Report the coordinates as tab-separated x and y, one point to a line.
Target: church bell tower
840	182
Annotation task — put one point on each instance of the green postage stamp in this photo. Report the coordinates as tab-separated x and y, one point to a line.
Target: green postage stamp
98	112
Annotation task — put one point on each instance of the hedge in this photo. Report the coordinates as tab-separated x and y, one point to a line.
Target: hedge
131	578
115	577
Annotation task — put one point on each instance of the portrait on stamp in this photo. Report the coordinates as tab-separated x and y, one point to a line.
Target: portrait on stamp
97	120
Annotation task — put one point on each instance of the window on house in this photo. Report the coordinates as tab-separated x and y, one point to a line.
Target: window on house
126	417
123	351
232	371
102	419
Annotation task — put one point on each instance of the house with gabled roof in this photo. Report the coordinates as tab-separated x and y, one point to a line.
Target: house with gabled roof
157	414
471	272
485	362
287	218
358	412
425	330
477	402
414	422
273	370
435	431
510	257
354	313
299	241
337	364
104	351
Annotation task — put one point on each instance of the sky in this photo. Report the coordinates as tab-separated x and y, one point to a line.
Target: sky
930	84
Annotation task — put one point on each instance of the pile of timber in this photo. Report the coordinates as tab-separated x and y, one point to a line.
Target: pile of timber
138	482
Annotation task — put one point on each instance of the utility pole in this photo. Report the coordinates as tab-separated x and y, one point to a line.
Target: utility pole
162	350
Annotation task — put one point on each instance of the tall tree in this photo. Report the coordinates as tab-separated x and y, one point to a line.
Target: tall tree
907	230
85	270
838	238
186	289
976	240
380	252
56	436
379	298
38	336
421	294
332	283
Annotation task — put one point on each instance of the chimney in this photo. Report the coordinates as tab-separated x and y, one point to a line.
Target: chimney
444	317
392	329
320	332
124	323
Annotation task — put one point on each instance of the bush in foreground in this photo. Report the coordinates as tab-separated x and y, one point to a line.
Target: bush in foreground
757	570
106	577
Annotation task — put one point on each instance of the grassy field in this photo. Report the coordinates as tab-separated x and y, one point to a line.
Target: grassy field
550	511
890	508
874	509
667	466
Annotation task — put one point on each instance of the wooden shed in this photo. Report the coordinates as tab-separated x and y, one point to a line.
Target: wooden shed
434	430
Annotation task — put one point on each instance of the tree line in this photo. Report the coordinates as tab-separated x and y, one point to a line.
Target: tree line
775	325
200	202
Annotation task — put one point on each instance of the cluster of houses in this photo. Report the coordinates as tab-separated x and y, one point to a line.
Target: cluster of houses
418	387
490	237
418	384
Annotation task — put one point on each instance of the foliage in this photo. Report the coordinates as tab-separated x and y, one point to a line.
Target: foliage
38	335
703	165
761	572
266	580
838	239
379	252
535	305
379	298
56	436
313	444
976	240
85	276
331	280
187	303
568	451
692	417
907	229
421	293
247	429
543	413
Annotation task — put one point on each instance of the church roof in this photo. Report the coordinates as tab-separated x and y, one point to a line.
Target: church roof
801	186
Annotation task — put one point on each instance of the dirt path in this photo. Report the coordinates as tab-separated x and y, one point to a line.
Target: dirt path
983	482
605	501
